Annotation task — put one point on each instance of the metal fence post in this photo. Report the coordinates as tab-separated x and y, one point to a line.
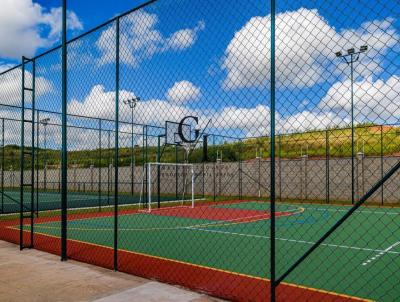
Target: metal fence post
99	168
382	153
2	165
64	136
272	154
117	72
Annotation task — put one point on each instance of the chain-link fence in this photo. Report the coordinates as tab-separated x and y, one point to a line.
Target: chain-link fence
247	149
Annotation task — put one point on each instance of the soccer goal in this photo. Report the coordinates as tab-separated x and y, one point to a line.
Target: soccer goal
167	185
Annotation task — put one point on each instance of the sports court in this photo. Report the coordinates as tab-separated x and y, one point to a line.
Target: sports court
238	232
249	150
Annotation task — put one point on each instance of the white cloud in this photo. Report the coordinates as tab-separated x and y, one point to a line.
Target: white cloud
101	103
5	66
184	38
374	101
308	120
12	127
182	92
236	117
23	25
54	20
305	46
139	39
10	86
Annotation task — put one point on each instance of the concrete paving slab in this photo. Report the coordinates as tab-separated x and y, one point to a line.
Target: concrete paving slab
152	292
36	276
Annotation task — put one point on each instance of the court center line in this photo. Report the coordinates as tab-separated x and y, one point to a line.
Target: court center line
295	240
381	253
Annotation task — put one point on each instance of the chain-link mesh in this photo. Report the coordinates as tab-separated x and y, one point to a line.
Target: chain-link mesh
192	162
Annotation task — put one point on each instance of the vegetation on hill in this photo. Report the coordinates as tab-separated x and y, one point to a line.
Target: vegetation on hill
371	140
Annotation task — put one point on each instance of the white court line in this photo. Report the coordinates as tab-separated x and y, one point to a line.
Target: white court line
296	241
381	253
358	211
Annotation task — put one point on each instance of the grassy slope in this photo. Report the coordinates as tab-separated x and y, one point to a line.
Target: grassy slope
372	140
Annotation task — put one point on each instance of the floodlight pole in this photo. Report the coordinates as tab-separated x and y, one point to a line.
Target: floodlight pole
350	58
132	104
45	122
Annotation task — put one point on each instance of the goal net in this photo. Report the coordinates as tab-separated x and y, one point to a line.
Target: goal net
167	185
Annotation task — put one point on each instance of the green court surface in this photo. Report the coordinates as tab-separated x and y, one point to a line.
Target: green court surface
360	259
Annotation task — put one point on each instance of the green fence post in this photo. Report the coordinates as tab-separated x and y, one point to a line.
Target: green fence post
64	136
2	164
117	73
382	153
272	154
99	167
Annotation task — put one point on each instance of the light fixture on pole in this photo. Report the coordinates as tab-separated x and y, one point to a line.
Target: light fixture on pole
350	57
45	122
132	104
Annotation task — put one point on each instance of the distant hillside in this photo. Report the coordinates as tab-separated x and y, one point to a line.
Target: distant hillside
372	140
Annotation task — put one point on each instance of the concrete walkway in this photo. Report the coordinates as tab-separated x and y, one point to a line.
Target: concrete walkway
32	276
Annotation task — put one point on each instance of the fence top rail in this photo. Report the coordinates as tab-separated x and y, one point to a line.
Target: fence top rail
169	164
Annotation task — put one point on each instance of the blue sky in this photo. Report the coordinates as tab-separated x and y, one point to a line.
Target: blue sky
211	59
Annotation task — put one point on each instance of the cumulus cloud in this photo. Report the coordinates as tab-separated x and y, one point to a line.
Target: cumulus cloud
101	103
10	86
184	38
305	46
140	40
248	121
26	26
309	120
253	121
374	101
182	92
5	66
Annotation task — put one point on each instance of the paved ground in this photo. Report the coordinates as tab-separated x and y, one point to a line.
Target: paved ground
32	276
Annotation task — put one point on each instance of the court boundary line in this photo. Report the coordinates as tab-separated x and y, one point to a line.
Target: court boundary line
199	227
213	269
382	253
296	241
234	221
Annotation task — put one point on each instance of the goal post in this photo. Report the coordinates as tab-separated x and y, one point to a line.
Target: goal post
185	175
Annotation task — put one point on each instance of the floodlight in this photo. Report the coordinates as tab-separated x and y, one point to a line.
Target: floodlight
350	51
132	102
364	48
45	120
338	54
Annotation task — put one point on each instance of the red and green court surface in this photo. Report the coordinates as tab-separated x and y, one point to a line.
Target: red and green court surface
223	248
